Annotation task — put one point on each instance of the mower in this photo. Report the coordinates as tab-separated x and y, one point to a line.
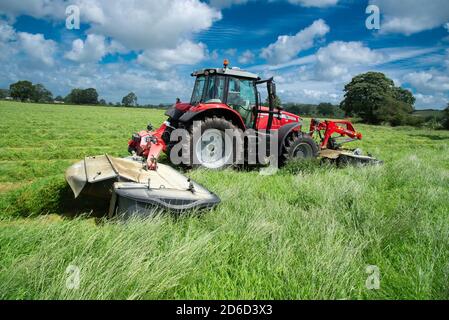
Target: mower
225	104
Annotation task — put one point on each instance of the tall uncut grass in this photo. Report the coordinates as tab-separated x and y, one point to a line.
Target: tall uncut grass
308	232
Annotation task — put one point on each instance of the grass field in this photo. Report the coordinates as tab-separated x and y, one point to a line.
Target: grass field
308	232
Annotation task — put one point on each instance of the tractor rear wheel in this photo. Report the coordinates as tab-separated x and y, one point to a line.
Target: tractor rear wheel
300	146
212	145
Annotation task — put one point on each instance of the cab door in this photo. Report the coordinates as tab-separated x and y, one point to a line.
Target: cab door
241	97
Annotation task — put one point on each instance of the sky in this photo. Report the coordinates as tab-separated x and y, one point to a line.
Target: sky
150	47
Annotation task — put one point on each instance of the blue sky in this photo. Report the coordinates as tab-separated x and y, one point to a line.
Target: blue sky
311	47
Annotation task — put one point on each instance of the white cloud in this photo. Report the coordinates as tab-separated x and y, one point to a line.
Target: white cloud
149	24
246	57
93	49
6	32
37	47
288	47
432	81
412	16
428	82
335	60
138	24
90	50
186	53
231	52
437	101
34	8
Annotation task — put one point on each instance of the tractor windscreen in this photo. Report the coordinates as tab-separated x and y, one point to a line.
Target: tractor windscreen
208	89
197	95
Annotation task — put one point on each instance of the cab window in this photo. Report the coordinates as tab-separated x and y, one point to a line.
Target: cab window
198	90
242	97
215	90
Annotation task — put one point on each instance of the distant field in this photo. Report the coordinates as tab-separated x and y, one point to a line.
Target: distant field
437	114
308	232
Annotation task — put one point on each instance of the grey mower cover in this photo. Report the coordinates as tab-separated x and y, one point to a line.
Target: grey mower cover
133	189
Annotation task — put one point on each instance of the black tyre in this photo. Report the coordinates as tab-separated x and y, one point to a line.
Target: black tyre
300	146
215	146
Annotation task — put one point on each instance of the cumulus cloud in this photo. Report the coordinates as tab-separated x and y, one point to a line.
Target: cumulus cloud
412	16
433	101
6	32
34	8
246	57
37	47
186	53
149	24
90	50
138	24
433	81
93	49
231	52
428	82
288	47
336	59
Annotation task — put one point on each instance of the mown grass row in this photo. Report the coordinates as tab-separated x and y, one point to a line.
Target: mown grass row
308	232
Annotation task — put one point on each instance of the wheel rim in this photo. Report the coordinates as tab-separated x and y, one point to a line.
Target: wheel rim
210	150
303	151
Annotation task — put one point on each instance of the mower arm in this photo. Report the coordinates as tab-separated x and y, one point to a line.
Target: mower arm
342	127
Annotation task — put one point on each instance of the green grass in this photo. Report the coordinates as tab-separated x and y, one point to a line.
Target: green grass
308	232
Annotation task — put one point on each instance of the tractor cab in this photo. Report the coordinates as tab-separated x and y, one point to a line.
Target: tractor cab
232	87
237	90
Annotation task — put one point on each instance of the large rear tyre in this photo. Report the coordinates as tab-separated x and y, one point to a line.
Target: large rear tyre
300	146
213	144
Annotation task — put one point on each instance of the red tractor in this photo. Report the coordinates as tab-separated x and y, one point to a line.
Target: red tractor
224	102
227	99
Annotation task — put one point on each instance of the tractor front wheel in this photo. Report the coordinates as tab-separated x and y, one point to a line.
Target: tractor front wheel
300	146
212	144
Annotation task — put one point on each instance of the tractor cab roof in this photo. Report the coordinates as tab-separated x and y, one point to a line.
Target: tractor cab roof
233	72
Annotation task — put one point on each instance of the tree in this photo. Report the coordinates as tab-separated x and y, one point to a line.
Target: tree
446	117
375	99
277	102
41	94
80	96
130	99
329	110
405	96
21	90
102	102
59	98
90	96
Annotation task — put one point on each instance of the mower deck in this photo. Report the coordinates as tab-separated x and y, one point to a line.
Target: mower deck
133	190
346	156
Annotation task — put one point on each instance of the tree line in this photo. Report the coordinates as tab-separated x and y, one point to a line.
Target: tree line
25	91
371	97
